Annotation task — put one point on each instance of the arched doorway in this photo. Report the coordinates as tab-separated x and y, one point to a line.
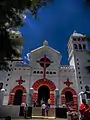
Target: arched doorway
18	97
68	96
19	92
43	94
47	83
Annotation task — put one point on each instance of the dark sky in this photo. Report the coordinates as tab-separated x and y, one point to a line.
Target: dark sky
55	24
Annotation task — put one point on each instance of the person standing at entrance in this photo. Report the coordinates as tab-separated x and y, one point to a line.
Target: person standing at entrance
43	107
47	109
49	102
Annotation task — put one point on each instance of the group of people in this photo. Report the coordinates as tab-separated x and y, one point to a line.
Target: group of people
84	110
45	109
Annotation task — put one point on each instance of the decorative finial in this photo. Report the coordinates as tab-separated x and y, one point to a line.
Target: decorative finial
74	31
45	43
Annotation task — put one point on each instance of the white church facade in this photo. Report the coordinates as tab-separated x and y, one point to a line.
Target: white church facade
45	74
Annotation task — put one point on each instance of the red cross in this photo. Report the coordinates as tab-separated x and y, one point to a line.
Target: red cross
44	62
20	81
68	83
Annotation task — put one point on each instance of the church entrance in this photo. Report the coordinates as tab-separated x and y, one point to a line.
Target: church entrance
43	94
68	96
18	97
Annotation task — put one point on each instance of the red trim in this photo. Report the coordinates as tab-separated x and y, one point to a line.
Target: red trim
75	98
47	83
12	94
41	82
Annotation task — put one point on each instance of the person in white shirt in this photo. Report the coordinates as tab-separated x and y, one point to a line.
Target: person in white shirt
43	107
49	102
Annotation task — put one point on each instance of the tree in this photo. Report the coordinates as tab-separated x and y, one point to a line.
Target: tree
12	16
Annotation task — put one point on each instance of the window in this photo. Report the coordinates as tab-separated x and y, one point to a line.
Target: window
41	72
47	72
37	72
74	39
81	87
77	59
77	63
8	79
79	39
11	65
50	72
80	47
88	95
54	72
1	85
80	82
87	88
75	46
6	84
34	71
78	67
79	77
8	74
84	46
79	73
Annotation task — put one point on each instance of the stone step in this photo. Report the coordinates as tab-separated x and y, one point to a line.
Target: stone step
36	111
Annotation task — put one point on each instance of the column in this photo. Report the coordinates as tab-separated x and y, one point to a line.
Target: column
57	97
2	93
30	101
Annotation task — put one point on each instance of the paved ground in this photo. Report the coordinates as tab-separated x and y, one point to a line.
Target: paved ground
41	119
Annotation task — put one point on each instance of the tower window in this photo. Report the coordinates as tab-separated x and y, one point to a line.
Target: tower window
80	82
75	46
41	72
77	63
1	85
79	77
80	47
74	39
37	72
54	72
81	87
84	46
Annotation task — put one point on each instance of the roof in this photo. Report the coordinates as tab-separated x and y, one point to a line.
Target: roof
45	45
77	34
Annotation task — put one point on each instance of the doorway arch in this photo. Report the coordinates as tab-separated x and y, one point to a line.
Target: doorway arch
72	96
43	94
18	97
47	83
15	91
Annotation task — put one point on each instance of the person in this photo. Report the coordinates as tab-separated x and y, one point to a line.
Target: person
43	109
87	114
35	103
25	111
49	102
47	109
84	106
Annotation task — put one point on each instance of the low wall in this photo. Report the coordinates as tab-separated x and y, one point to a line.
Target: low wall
9	110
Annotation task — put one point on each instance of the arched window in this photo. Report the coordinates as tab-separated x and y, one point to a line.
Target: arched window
75	46
84	46
80	47
87	88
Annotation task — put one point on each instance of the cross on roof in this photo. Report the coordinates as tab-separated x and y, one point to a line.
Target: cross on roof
44	62
68	83
20	81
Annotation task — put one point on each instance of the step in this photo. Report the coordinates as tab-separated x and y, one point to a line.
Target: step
36	111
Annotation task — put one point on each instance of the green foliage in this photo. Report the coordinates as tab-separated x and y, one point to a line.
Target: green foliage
12	16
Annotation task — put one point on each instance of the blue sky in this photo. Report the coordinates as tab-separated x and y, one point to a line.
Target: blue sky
55	24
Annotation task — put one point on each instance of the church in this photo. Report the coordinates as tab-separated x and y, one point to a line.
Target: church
44	74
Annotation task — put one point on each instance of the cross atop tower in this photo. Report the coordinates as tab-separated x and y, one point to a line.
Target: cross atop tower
44	62
68	83
20	81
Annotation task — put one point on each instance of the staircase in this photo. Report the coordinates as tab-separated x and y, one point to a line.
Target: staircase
36	113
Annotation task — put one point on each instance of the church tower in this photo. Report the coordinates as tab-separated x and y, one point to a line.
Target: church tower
79	57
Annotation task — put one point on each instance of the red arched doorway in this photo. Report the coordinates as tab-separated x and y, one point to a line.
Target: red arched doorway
69	97
17	95
47	83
